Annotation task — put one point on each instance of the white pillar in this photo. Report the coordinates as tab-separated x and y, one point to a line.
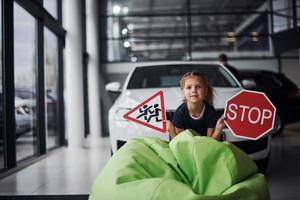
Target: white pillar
92	39
73	92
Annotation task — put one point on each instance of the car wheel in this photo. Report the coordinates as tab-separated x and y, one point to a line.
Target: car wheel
278	125
262	165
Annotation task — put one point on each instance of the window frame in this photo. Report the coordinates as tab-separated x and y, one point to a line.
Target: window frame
43	19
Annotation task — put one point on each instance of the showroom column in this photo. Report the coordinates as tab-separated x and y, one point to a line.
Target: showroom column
73	94
92	45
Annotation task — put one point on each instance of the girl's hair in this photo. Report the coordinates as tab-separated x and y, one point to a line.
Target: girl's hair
209	96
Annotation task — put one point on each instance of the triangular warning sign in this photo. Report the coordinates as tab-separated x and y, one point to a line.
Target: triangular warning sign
150	113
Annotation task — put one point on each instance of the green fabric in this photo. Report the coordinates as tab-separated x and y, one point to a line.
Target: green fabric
189	167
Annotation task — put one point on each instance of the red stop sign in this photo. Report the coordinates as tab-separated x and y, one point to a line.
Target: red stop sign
250	114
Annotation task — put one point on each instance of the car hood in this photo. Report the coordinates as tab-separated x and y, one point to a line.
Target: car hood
173	97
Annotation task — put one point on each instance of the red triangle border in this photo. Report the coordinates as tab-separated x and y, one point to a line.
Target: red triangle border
159	93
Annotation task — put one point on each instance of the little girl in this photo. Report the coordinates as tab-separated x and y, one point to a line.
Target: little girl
197	111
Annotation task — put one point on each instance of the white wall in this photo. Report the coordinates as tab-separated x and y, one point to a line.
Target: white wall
73	91
267	64
291	68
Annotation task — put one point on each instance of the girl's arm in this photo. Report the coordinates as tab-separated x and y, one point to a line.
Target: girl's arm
178	130
216	132
173	131
210	132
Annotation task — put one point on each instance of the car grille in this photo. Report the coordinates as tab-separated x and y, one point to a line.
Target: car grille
251	146
120	143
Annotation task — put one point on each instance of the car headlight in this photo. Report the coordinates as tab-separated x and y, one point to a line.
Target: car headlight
120	113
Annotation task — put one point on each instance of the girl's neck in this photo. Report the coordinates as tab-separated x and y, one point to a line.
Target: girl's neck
195	109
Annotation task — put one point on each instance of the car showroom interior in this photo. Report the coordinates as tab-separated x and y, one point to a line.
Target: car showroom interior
150	99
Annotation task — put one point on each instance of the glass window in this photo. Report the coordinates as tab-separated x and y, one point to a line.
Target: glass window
1	99
184	30
25	82
124	7
220	5
51	7
147	38
51	81
210	34
152	26
282	14
143	50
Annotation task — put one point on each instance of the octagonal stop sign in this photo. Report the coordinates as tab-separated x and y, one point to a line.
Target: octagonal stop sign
250	114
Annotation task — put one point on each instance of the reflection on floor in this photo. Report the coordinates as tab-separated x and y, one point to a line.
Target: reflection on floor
67	171
26	144
72	171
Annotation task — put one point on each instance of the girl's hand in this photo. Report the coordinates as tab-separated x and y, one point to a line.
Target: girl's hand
170	128
169	125
219	127
220	123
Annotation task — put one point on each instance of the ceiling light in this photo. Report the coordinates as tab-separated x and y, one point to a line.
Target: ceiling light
124	31
133	59
125	10
130	26
254	39
254	36
126	44
178	18
231	34
254	33
231	39
116	9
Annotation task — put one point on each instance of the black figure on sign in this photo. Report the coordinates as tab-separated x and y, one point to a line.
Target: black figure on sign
155	113
148	112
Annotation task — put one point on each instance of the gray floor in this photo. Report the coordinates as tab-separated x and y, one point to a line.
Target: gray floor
67	171
284	171
72	171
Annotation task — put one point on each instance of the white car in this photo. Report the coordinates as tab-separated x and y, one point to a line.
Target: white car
146	80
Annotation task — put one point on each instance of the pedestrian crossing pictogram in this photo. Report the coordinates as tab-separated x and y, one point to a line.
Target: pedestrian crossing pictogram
150	113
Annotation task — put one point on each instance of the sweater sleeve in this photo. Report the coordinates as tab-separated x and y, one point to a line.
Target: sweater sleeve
179	120
212	119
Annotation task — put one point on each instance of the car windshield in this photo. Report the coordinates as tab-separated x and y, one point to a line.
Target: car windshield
169	76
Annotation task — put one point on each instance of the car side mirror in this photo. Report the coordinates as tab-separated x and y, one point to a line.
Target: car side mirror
248	84
113	87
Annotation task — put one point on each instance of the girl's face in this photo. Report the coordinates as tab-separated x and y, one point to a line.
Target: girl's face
194	89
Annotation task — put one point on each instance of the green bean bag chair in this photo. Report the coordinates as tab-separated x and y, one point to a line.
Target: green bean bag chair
189	167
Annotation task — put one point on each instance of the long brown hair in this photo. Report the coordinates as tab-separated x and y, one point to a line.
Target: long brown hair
209	96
